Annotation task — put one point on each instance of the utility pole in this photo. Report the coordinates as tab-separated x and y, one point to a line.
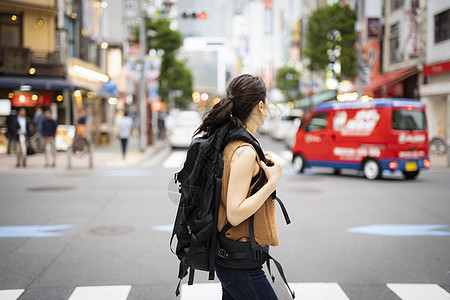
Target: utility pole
359	47
142	100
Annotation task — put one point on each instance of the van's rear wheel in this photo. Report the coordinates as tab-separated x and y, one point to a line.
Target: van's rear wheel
410	175
372	169
299	163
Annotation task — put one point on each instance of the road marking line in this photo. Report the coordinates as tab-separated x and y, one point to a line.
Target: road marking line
318	291
201	291
34	231
10	294
117	292
166	228
175	160
414	291
402	229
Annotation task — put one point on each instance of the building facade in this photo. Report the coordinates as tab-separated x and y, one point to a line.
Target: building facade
402	50
435	83
32	61
53	55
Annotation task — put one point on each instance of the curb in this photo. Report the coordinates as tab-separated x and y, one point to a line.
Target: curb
7	163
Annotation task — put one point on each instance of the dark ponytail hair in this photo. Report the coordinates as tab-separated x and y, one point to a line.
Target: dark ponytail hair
242	94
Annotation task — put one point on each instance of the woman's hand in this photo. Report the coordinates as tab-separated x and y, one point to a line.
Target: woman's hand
273	172
240	206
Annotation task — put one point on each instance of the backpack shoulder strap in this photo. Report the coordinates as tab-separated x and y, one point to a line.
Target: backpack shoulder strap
255	246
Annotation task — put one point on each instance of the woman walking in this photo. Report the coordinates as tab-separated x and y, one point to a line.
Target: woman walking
245	216
125	126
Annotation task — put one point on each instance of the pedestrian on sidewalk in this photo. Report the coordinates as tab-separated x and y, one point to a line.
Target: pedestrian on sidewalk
48	132
244	106
125	127
11	132
38	120
21	128
161	125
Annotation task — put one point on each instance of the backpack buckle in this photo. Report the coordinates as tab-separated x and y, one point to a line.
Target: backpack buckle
222	253
256	254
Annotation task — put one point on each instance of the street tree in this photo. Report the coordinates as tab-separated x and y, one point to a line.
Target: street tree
287	79
321	24
175	81
174	76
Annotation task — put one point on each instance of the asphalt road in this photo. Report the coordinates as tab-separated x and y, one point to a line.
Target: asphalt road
117	221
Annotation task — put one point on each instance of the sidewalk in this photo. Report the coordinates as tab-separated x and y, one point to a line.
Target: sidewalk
439	162
104	157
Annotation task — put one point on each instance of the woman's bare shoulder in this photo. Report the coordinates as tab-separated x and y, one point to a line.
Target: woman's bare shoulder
245	154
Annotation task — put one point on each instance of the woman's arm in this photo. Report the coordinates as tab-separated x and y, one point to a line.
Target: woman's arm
243	168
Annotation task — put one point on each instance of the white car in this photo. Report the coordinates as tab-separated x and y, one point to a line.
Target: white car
286	127
184	124
290	136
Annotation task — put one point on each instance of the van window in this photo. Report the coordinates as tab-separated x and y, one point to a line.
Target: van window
317	122
408	120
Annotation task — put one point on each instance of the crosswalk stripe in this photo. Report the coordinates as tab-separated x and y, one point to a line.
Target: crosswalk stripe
206	291
10	294
318	291
201	291
414	291
304	291
175	160
117	292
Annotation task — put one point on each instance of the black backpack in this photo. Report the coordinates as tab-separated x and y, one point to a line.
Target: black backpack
200	186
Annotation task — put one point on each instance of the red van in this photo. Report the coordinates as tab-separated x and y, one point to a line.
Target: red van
371	135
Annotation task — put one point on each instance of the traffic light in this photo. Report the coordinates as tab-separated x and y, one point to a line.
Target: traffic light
202	15
157	105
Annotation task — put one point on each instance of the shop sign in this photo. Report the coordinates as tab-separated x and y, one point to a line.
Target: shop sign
437	68
26	99
64	137
373	27
5	107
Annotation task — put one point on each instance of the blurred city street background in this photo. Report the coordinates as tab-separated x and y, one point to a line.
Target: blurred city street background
116	220
81	217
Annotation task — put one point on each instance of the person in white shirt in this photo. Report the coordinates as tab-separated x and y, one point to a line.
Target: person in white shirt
21	128
125	127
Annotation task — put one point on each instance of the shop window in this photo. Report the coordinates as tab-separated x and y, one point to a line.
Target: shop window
442	26
69	26
10	30
394	44
396	4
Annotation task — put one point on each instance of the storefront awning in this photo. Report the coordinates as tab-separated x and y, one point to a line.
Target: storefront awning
110	88
389	79
58	84
315	99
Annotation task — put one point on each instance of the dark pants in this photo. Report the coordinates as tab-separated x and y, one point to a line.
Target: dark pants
244	284
124	146
11	143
